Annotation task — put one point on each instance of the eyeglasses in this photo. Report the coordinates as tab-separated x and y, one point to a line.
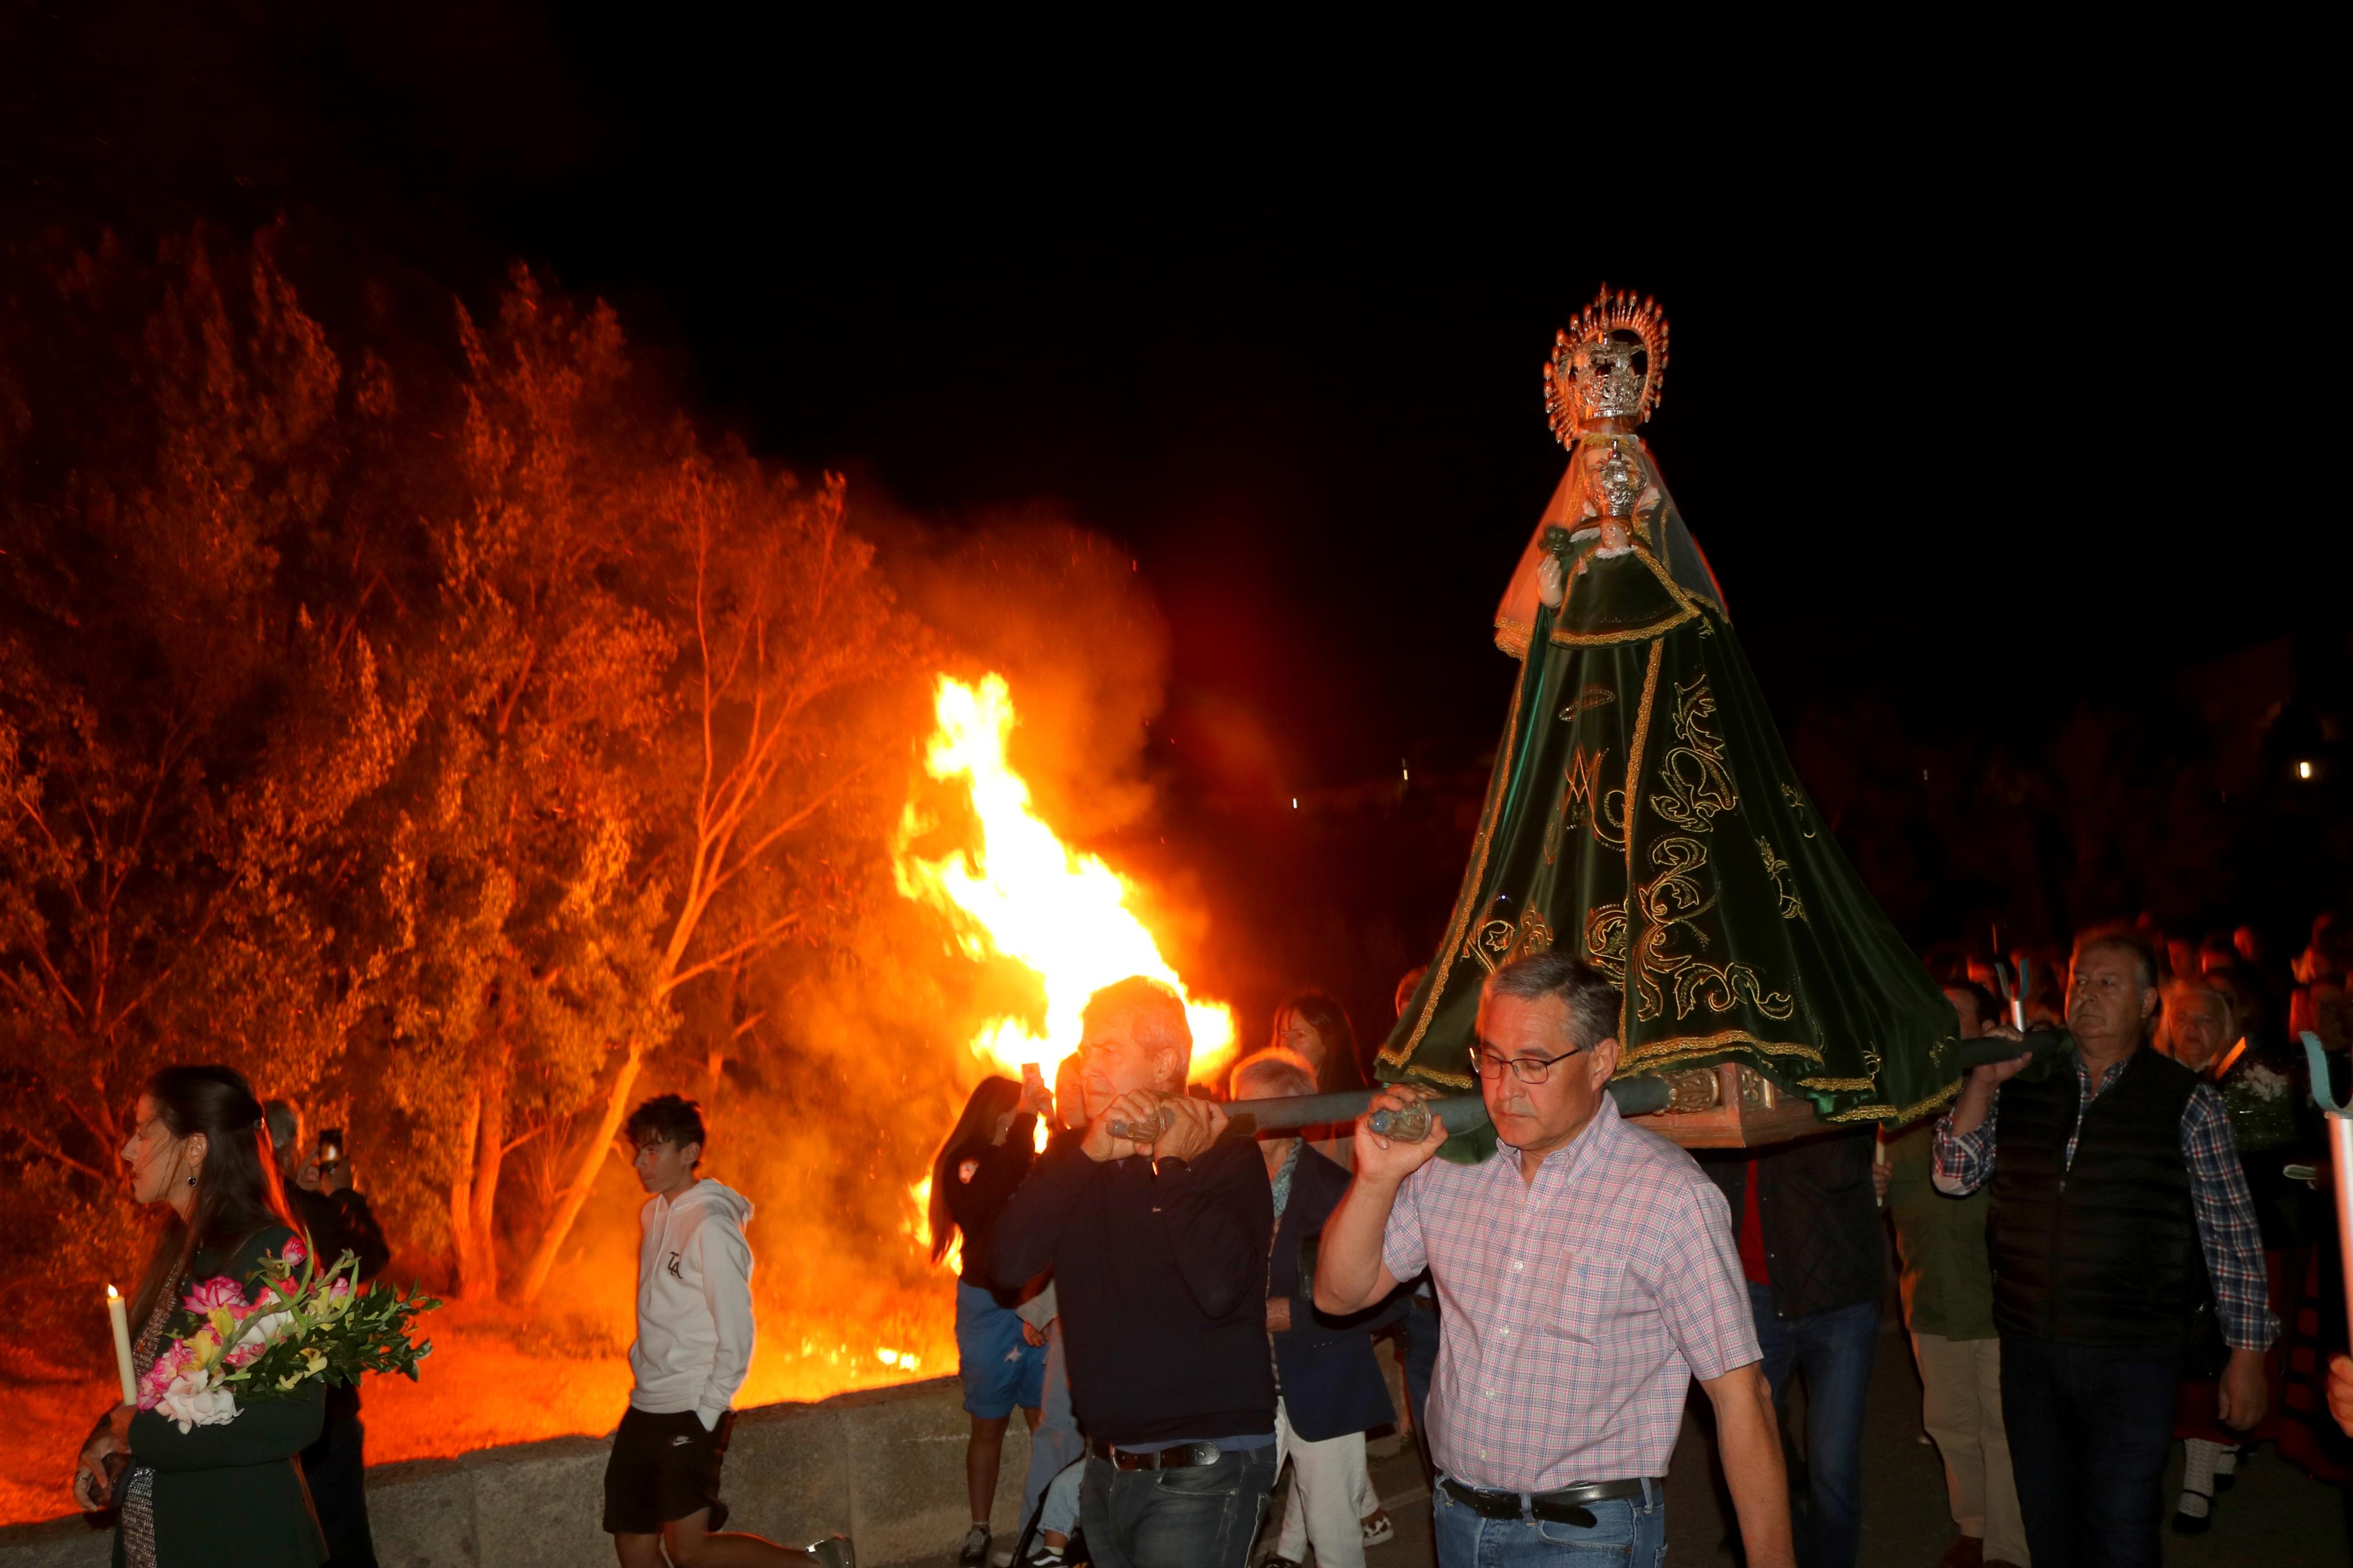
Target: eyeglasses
1531	1070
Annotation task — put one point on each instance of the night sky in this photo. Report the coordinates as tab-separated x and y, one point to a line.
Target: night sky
1965	427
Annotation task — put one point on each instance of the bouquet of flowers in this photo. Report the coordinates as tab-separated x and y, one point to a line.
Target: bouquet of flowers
303	1323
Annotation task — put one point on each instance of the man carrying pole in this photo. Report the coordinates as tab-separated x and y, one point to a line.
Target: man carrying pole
1587	1273
2120	1229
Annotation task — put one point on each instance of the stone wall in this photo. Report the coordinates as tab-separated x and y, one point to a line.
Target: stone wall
885	1467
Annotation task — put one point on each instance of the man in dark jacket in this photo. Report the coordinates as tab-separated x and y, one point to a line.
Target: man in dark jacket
2120	1230
1159	1245
325	1204
1328	1381
1807	1223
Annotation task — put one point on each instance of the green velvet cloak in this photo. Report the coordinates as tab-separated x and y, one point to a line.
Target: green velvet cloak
1642	811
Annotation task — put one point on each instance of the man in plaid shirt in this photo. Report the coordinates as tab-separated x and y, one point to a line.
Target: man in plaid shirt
2119	1214
1587	1273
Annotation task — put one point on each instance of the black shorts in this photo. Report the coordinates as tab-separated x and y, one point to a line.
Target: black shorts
664	1468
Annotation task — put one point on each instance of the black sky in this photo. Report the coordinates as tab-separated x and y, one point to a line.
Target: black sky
1975	422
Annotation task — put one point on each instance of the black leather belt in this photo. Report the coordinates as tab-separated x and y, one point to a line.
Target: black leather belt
1567	1506
1182	1457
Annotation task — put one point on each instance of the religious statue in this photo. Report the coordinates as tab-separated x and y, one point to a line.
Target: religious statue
1643	809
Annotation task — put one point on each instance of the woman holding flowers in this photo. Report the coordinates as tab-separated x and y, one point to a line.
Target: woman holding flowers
201	1477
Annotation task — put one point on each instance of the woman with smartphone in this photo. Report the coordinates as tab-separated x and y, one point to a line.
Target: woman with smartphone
1002	1360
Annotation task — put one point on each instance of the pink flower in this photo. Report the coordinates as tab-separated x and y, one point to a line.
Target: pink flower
246	1354
171	1360
217	1292
294	1252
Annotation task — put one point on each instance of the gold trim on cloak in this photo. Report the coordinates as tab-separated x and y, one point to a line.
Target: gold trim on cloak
1641	739
1659	1053
1890	1113
1686	609
1513	636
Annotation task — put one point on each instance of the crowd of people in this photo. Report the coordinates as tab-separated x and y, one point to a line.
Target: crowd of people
2098	1257
2101	1251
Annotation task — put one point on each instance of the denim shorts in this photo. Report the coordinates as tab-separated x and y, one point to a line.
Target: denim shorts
1000	1369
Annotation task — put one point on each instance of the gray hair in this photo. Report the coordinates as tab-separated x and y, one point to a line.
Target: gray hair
1591	1001
1273	1071
2118	939
2178	993
1153	1012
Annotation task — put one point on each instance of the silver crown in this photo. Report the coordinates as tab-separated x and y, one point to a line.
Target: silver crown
1606	364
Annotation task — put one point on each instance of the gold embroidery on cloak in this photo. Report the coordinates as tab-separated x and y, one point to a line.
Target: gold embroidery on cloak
1697	785
1793	908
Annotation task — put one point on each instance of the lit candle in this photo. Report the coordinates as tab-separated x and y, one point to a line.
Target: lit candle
122	1344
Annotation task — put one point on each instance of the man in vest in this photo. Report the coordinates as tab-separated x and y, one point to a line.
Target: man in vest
2120	1220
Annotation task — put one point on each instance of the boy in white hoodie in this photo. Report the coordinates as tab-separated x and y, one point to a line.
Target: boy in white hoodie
692	1349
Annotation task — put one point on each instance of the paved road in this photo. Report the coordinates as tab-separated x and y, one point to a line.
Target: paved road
2276	1517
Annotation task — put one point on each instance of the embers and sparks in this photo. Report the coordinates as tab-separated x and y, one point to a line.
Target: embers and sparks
1020	892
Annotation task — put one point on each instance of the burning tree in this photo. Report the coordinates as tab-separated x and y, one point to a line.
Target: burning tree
643	741
186	716
426	734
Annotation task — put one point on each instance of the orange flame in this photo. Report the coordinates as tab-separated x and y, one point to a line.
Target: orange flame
1024	894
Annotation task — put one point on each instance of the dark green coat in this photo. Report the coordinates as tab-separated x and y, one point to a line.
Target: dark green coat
1644	817
233	1496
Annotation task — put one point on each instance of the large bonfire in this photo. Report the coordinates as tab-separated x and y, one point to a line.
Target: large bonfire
1021	893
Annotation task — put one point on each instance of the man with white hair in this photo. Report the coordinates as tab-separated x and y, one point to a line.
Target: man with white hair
1158	1243
1588	1273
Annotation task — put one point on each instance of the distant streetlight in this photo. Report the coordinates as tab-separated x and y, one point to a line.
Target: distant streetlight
1294	803
2304	770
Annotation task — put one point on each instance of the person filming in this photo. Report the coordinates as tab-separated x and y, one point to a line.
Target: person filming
1001	1359
319	1192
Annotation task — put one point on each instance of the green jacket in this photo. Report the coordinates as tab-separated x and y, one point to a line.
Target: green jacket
1947	1277
233	1496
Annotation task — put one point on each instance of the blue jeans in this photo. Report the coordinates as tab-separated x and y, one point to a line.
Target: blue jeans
1205	1516
2089	1430
1634	1530
1834	1350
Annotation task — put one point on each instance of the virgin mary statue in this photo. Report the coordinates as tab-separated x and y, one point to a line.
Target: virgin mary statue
1642	811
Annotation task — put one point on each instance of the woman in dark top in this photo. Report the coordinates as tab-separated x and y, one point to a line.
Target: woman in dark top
1001	1359
1311	1026
229	1495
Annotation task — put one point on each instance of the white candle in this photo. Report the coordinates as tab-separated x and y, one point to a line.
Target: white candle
122	1344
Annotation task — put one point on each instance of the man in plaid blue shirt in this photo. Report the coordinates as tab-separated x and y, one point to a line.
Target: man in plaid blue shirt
2120	1220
